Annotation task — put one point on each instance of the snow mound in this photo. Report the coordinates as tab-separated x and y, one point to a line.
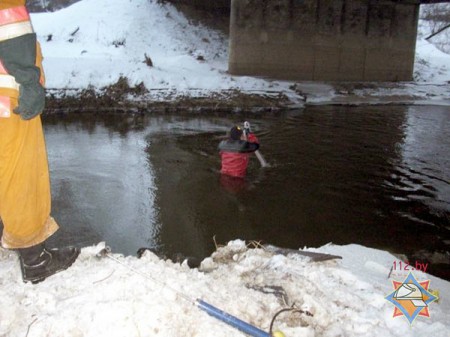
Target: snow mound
113	295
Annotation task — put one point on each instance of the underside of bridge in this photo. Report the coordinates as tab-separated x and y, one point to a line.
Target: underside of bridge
324	40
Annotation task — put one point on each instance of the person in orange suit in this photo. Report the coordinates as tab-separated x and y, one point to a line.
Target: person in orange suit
25	198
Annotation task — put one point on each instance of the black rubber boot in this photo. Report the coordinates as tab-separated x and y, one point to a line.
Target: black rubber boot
37	262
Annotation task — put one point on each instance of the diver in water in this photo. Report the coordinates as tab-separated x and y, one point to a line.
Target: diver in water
235	151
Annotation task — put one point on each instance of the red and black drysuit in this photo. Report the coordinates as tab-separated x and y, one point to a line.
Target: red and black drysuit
235	155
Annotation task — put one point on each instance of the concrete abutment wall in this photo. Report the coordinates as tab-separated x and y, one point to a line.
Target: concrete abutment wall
324	40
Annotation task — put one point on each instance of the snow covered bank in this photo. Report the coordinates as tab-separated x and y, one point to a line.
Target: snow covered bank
85	47
101	297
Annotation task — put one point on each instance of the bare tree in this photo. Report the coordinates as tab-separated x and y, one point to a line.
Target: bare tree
437	18
437	14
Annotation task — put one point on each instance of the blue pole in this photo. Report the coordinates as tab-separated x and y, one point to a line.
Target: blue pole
231	320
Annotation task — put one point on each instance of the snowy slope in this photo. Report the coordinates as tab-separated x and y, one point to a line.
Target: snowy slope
92	47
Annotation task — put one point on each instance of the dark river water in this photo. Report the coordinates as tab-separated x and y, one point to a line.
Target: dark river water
377	176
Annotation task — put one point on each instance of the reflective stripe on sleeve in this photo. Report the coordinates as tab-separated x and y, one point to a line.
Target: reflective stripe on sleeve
15	14
8	81
15	30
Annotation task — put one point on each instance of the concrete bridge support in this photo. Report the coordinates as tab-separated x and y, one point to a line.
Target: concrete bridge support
324	40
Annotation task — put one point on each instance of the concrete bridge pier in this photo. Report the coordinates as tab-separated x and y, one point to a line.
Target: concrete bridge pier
324	40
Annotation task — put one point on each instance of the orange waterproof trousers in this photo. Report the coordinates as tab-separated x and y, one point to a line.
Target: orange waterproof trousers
25	200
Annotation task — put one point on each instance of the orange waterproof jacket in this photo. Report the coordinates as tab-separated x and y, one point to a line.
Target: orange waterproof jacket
11	3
